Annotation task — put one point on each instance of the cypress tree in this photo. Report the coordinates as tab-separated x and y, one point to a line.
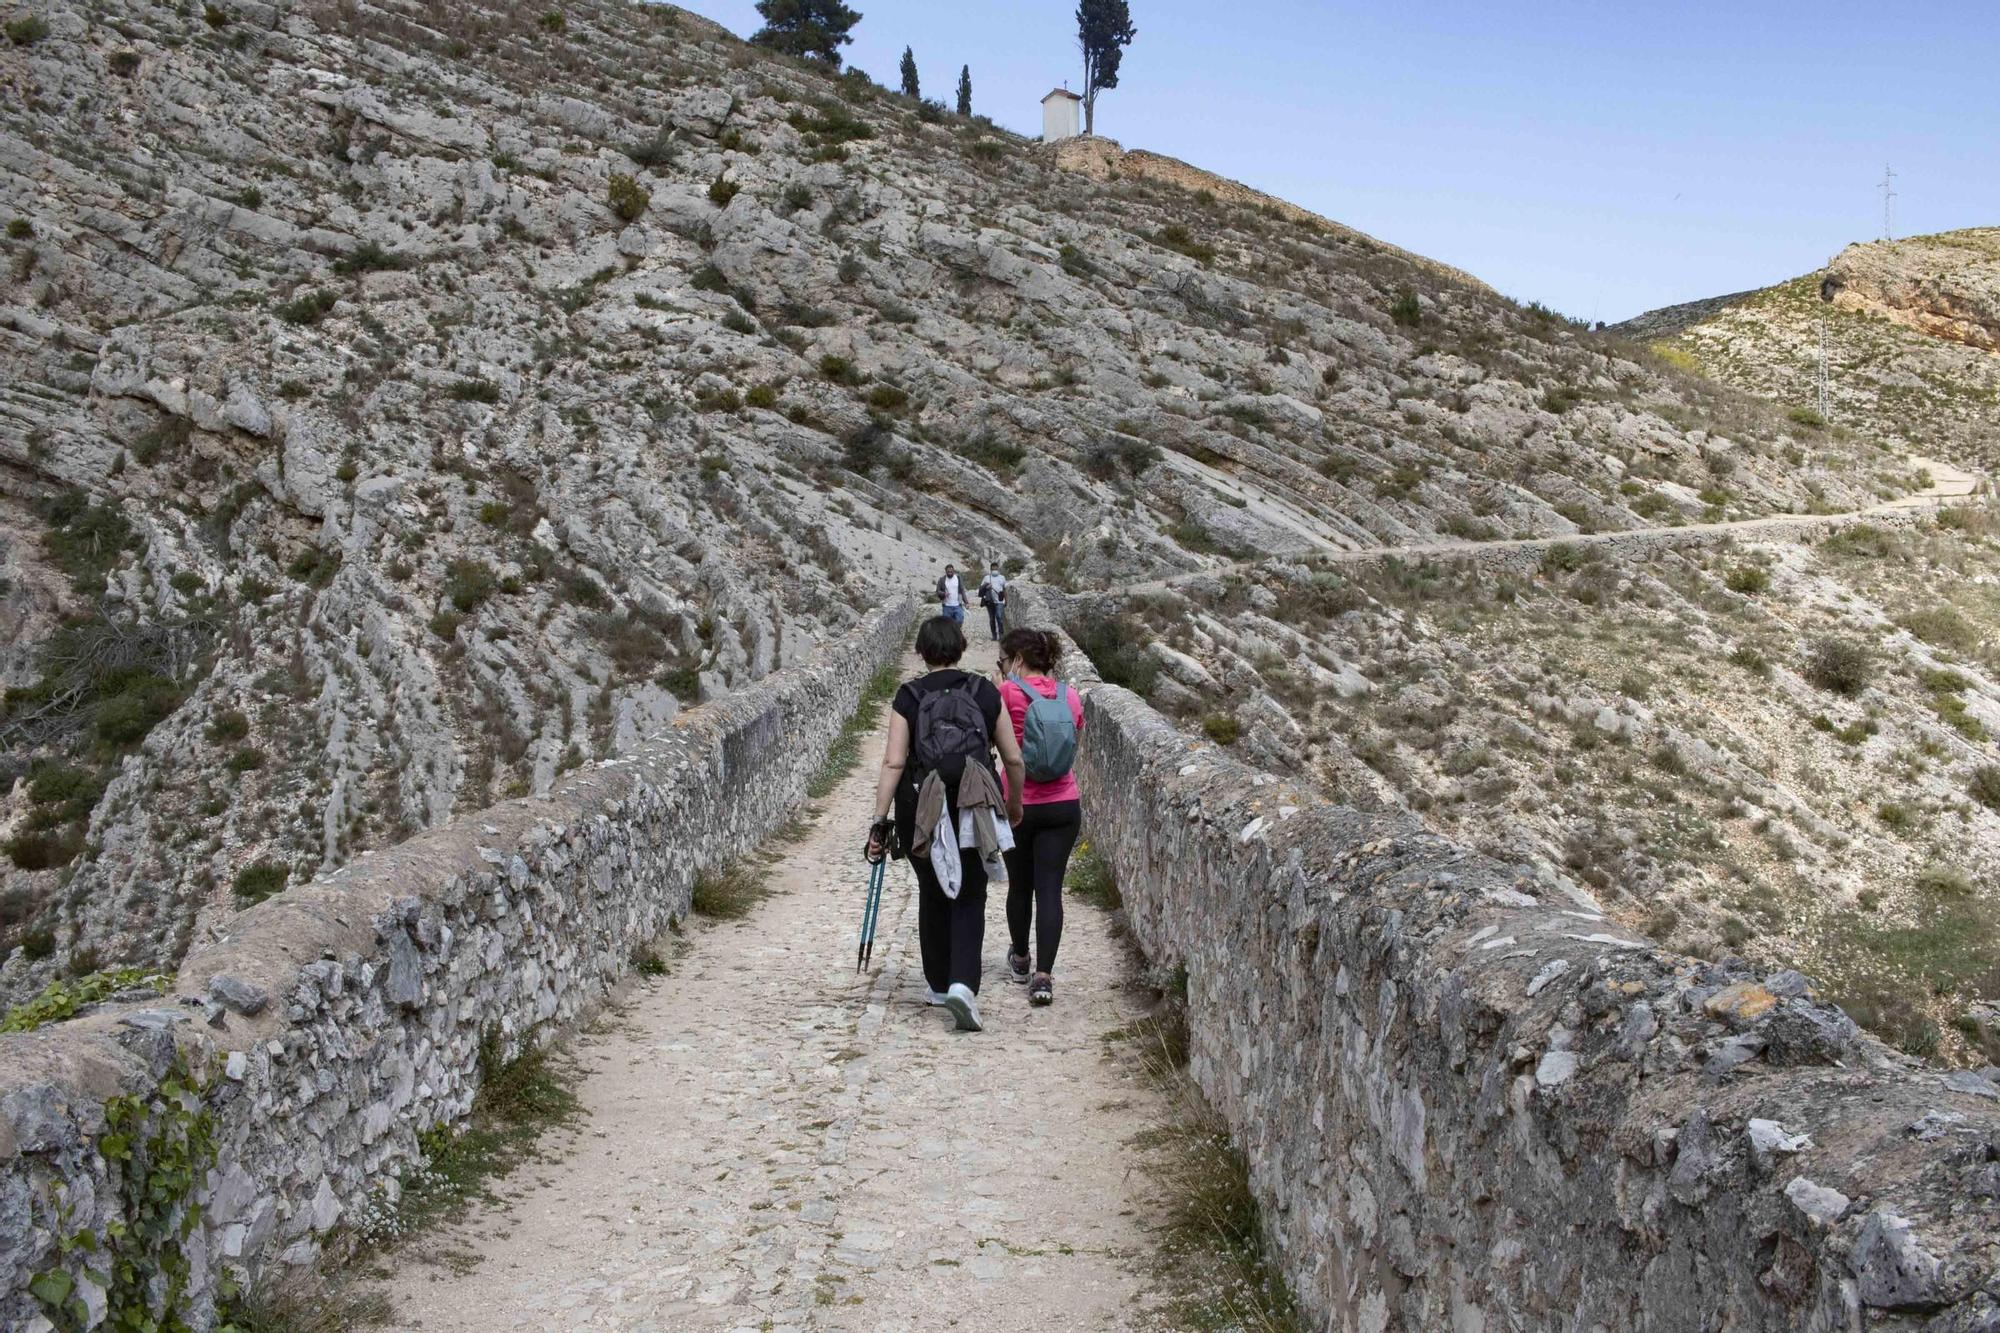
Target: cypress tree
965	90
910	87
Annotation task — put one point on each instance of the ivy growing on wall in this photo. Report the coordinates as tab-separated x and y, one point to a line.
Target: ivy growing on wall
159	1147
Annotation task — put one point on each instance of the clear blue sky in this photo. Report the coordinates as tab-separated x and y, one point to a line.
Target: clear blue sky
1601	157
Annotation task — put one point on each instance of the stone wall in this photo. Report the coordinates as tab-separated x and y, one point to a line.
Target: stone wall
341	1018
1469	1104
1103	159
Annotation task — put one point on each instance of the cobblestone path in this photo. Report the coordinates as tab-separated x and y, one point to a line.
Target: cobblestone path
774	1143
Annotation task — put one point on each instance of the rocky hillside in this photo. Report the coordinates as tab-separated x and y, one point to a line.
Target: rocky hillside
1913	342
404	403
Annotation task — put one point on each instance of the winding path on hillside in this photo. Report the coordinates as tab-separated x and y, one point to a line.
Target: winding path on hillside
773	1143
1947	484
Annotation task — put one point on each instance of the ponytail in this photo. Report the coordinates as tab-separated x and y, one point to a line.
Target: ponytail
1036	649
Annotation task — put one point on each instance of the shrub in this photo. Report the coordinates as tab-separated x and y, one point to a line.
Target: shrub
866	447
246	760
797	196
1840	665
250	197
19	229
139	704
259	880
1116	645
1748	580
44	849
628	199
1805	416
1895	816
1175	236
554	21
988	150
1566	558
469	583
658	151
475	391
27	30
231	724
839	369
1222	728
888	398
1984	786
1076	263
1406	310
762	395
308	307
1942	627
369	257
833	124
721	190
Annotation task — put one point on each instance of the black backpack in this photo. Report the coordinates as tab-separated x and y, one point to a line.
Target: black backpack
950	730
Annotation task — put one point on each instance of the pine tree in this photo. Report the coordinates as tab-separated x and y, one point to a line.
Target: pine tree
814	29
910	86
965	90
1103	29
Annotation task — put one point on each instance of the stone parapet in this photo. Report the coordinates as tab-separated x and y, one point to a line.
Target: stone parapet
341	1019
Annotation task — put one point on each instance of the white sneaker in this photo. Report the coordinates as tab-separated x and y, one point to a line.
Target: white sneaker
932	998
964	1006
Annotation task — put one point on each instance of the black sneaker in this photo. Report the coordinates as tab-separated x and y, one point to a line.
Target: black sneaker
1042	990
1017	968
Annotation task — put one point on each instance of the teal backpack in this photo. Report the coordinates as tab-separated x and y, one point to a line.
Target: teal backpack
1048	732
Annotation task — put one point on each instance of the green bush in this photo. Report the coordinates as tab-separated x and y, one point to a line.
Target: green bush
1222	728
721	190
19	229
259	880
469	583
368	257
1841	666
475	391
44	849
628	199
228	726
839	369
1116	645
308	307
1748	580
762	396
1805	416
1406	309
27	30
1984	786
658	151
1176	236
796	197
138	705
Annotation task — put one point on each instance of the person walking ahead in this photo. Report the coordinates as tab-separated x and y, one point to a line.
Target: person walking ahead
993	596
1047	720
944	725
951	596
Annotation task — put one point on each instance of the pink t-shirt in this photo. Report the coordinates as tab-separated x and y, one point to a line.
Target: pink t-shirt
1033	792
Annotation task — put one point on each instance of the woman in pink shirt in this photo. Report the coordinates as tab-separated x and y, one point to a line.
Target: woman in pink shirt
1052	815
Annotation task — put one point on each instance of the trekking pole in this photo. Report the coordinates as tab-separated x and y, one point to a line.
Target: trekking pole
870	913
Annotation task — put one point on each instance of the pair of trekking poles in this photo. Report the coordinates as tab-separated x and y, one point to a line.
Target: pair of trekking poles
871	908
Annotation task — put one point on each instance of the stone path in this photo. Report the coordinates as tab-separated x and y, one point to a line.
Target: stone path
775	1144
1948	483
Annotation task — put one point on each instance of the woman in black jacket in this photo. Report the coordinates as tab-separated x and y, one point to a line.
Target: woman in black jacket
951	929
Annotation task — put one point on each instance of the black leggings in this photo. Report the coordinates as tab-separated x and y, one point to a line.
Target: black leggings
951	931
1043	841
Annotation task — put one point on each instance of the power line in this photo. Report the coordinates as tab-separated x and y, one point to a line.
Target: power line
1888	188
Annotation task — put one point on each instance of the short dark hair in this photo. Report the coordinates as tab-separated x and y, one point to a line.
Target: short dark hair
940	642
1036	649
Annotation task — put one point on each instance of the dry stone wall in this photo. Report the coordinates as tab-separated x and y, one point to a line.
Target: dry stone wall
342	1018
1471	1105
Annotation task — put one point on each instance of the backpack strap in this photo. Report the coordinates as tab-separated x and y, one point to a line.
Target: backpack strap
1029	690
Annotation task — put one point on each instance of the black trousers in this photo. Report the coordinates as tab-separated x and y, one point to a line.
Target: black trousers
951	931
1043	841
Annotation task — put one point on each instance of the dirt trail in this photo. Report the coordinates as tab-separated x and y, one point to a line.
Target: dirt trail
1947	483
775	1144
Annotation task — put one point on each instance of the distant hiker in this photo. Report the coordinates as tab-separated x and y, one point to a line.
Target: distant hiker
1047	721
993	596
951	596
937	773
